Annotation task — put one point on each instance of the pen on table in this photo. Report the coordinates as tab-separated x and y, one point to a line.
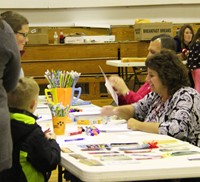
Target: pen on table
74	139
39	117
75	133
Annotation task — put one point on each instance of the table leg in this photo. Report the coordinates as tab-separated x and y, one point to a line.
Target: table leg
119	71
126	75
136	79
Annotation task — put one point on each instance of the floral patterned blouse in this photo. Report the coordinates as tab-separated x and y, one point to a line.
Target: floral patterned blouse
193	61
179	116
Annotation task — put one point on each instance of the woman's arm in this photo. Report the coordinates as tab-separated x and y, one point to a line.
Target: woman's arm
131	97
150	127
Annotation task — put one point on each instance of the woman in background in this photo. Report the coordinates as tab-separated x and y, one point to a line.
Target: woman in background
20	26
193	61
183	40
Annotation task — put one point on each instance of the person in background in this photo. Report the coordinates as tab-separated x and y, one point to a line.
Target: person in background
127	96
35	153
193	60
20	26
9	74
183	39
171	108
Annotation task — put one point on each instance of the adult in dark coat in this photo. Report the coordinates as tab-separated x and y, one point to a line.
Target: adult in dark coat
9	74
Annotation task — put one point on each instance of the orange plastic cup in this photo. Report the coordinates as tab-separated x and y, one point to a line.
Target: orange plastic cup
59	95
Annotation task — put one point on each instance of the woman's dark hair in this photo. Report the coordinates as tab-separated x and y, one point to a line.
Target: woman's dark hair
15	20
171	71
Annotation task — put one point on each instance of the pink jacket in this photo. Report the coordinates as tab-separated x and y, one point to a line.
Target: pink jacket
133	97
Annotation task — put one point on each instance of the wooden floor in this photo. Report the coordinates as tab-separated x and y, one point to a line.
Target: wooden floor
54	177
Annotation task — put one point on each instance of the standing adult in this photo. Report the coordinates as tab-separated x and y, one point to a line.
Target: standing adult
9	74
193	61
20	26
127	96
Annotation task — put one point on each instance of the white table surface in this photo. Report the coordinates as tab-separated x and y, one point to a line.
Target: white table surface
119	63
134	170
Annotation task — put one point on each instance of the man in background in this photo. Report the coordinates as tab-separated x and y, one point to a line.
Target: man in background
127	96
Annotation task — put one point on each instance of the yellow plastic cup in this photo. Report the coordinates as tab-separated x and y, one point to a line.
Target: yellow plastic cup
59	124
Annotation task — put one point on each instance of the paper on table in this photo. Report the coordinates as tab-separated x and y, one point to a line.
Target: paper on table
110	88
112	128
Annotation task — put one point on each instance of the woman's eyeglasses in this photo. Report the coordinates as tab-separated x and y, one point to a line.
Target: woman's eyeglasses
23	34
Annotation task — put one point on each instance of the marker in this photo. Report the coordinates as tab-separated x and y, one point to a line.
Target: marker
39	117
75	133
74	139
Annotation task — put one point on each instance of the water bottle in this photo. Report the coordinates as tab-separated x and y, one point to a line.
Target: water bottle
55	36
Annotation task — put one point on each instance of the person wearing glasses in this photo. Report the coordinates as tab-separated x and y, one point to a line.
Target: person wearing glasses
9	74
20	26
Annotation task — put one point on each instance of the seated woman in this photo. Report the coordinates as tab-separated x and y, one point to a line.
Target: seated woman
171	108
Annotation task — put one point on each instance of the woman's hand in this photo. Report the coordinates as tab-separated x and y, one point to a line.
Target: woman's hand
124	112
133	124
150	127
108	111
118	85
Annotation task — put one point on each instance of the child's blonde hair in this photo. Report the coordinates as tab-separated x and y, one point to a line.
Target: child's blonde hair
25	92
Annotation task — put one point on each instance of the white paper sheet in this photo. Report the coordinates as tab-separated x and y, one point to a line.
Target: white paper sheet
110	88
112	127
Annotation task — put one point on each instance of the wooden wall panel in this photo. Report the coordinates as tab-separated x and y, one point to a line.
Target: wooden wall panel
70	51
134	49
90	67
123	33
